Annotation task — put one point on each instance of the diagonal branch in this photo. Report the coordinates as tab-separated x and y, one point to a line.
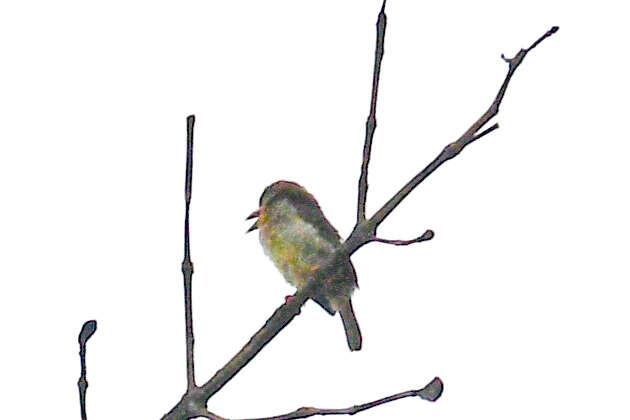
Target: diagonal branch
370	124
280	319
187	265
453	149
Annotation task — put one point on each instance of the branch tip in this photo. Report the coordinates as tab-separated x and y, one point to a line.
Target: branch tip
190	120
547	34
88	329
484	132
426	236
433	391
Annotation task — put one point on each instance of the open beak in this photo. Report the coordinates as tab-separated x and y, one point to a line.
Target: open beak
251	216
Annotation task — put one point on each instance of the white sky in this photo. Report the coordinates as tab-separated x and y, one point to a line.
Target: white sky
519	303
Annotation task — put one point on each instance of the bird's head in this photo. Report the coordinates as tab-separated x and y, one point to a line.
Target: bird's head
274	192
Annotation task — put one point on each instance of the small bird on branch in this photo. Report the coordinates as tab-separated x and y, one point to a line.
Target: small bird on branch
299	239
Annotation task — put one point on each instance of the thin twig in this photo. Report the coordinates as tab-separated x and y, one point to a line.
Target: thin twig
486	131
430	392
370	124
88	329
547	34
426	236
187	265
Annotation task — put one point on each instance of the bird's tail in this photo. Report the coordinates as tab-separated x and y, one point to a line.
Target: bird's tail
353	334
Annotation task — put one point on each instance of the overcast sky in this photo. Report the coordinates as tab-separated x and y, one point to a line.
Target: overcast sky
519	303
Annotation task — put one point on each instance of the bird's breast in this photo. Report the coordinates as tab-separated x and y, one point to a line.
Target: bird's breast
295	247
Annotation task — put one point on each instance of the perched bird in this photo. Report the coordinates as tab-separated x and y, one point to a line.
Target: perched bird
298	238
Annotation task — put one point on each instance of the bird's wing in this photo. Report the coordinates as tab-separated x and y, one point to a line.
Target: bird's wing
309	210
344	280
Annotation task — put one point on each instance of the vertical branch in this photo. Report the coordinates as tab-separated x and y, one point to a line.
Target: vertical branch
187	265
370	124
88	329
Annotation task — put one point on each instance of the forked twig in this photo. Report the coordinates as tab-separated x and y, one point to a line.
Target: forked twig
451	150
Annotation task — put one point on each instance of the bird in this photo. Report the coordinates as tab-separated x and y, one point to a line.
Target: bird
298	238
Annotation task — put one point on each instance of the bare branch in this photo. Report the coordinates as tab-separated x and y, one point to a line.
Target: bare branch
370	124
426	236
187	265
88	329
453	149
431	392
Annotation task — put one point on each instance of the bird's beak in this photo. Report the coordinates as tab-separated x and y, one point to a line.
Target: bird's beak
251	216
254	214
